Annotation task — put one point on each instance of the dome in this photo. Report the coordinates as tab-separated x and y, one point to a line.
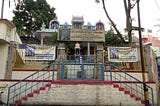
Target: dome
99	25
54	24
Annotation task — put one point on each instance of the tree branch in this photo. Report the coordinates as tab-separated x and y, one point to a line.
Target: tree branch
128	7
112	23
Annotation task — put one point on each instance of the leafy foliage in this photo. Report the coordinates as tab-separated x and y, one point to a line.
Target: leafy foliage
30	14
112	39
70	45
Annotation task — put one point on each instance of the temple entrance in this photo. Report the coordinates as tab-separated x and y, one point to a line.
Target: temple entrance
83	71
85	51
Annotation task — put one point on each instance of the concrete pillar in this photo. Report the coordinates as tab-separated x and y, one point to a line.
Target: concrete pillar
149	63
88	52
42	40
99	59
62	58
99	53
61	52
88	49
10	60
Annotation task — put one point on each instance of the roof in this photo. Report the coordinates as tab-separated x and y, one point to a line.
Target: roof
29	40
77	19
99	22
9	23
48	30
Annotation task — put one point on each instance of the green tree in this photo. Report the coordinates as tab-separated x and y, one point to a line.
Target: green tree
30	14
112	39
70	47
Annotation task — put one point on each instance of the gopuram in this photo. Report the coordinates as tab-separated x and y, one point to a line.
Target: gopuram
87	39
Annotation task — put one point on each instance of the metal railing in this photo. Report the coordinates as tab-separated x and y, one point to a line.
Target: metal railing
76	71
128	82
84	71
29	84
77	58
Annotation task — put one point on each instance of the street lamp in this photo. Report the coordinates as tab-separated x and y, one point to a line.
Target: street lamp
141	56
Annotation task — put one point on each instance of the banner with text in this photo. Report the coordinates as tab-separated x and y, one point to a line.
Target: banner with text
122	54
38	52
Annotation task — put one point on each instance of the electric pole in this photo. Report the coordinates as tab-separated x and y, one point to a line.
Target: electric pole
2	9
146	98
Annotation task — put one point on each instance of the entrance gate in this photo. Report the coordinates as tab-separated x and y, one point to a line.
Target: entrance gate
83	71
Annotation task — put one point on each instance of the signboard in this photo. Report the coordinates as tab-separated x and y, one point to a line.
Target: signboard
45	53
87	35
38	52
81	35
122	54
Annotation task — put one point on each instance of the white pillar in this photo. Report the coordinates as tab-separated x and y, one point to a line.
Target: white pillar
41	40
88	49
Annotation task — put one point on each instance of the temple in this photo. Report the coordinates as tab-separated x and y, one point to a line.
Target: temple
70	65
87	39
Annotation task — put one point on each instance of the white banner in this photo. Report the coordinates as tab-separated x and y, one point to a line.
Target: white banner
122	54
37	52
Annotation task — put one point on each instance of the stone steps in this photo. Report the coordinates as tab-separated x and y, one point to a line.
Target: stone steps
81	94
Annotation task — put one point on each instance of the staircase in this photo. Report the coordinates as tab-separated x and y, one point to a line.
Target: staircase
81	94
52	87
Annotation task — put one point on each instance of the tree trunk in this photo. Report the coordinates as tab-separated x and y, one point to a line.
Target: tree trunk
112	23
127	7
